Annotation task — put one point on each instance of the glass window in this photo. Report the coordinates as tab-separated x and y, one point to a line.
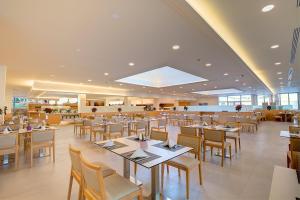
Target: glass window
246	100
234	100
284	99
260	100
293	98
222	101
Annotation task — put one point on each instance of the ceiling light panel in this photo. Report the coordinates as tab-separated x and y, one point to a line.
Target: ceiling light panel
220	91
162	77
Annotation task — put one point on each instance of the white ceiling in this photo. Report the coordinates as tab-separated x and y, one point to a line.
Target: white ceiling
63	41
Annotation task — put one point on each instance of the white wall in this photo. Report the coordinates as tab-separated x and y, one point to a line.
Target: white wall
9	99
88	109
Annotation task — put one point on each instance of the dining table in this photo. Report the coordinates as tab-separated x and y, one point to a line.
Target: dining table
157	154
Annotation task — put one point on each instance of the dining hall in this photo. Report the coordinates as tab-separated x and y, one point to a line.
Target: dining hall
149	100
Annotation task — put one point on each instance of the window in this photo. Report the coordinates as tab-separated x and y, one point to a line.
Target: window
263	99
289	99
246	100
222	101
234	100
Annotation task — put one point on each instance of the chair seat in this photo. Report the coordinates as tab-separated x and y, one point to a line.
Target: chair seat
117	187
218	144
106	171
183	161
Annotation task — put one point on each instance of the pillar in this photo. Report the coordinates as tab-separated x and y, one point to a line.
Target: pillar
81	103
2	90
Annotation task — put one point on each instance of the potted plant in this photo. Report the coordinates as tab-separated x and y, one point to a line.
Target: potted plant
238	108
185	108
94	110
119	110
174	108
48	110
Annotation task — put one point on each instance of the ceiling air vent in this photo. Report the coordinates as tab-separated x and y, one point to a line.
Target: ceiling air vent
294	44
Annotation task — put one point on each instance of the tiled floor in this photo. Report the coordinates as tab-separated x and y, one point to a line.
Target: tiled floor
247	177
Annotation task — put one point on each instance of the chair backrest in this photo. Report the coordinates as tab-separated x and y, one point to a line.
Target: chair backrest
42	136
159	135
294	129
141	125
162	122
75	159
296	160
87	122
295	144
9	140
93	182
188	131
115	128
190	141
214	135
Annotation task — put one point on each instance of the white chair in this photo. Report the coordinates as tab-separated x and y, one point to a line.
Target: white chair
9	145
40	140
113	131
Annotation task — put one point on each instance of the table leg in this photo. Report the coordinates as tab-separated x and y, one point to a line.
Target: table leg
155	193
126	168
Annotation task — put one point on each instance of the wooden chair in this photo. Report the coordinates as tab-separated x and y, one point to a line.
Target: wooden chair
184	162
76	170
155	135
161	124
86	127
294	147
9	145
185	130
96	130
294	129
113	131
139	127
216	138
42	139
235	136
98	187
78	123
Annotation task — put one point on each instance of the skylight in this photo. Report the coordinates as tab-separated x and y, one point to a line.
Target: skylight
221	91
162	77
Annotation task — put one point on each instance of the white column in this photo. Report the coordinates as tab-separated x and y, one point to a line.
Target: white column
9	99
81	103
2	89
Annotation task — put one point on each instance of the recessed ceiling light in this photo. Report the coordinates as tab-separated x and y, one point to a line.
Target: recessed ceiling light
78	50
244	84
216	87
267	8
51	75
250	87
193	89
80	83
279	73
144	87
208	64
131	64
275	46
180	87
120	84
280	78
237	80
106	74
204	84
281	83
61	66
89	80
175	47
226	74
277	63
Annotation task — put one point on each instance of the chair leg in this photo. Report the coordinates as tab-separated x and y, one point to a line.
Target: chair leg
204	149
200	173
222	161
80	193
211	151
230	151
70	186
135	169
187	184
140	196
31	156
53	153
162	175
17	159
235	145
240	143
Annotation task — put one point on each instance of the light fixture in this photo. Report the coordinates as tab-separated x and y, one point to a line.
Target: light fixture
279	73
226	74
280	78
89	80
175	47
52	75
204	84
193	89
216	87
277	63
61	66
144	87
208	64
244	84
120	84
131	64
180	87
78	50
250	87
281	83
237	80
106	74
267	8
220	91
275	46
